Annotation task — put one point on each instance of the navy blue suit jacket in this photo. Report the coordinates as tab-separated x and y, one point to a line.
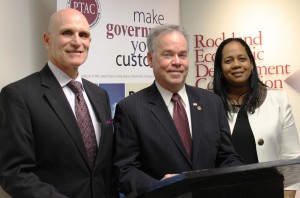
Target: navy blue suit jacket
148	145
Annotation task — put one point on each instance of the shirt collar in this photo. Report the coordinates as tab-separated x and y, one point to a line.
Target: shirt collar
62	78
167	95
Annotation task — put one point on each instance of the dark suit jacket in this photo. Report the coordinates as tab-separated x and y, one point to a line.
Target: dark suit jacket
41	149
148	145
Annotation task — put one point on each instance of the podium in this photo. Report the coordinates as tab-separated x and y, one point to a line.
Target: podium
261	180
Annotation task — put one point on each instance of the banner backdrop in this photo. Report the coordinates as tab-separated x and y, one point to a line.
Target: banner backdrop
271	28
117	58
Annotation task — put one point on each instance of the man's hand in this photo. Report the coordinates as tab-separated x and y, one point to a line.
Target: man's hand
168	176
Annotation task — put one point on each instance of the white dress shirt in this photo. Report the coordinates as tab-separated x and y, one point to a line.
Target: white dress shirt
63	80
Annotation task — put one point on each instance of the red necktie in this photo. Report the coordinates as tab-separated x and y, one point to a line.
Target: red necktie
182	124
84	122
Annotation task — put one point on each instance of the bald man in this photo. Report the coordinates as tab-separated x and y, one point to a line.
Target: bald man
42	151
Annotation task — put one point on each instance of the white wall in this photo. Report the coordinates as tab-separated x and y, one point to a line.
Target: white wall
22	51
22	27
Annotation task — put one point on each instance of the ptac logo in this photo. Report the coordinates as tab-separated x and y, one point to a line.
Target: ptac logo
90	8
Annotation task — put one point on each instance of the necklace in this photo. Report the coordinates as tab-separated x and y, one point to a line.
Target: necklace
236	100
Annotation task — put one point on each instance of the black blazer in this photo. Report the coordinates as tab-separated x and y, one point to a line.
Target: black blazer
42	152
148	145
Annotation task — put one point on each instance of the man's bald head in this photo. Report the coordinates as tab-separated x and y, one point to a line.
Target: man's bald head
59	16
68	40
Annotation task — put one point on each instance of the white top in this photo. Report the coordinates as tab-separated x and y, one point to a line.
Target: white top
273	122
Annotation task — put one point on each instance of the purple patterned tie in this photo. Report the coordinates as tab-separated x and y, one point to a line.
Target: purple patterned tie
84	122
182	124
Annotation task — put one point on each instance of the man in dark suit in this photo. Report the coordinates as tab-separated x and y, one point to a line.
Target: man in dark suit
42	152
148	146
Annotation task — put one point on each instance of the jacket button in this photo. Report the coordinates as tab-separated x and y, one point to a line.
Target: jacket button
260	142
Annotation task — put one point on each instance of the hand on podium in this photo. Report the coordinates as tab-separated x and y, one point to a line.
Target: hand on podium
168	176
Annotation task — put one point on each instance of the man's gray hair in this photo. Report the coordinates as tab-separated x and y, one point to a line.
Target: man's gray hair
166	28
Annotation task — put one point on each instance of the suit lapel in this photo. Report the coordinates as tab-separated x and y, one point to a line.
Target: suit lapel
160	110
58	101
196	119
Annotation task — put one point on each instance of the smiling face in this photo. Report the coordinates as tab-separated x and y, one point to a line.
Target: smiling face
68	40
236	65
170	60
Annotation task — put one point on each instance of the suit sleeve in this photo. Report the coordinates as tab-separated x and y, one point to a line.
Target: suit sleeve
127	151
289	141
17	153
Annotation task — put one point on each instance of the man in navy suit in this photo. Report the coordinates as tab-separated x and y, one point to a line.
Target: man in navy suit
148	147
42	154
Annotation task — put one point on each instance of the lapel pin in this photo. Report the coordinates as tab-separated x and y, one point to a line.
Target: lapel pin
199	108
194	104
